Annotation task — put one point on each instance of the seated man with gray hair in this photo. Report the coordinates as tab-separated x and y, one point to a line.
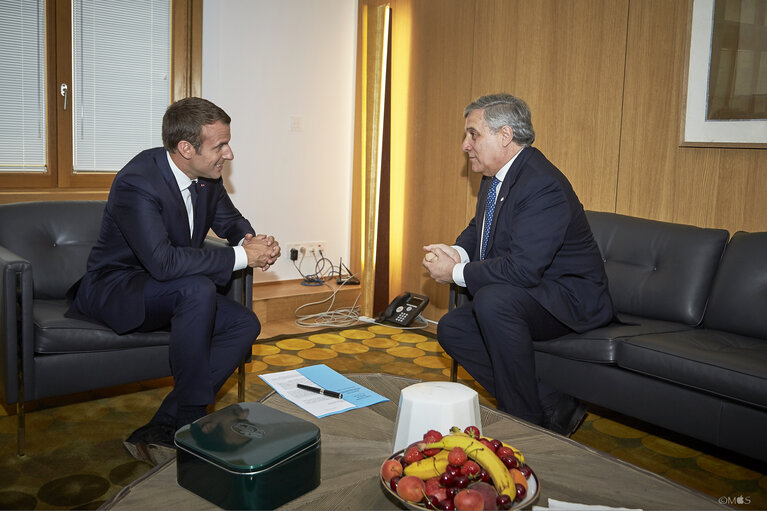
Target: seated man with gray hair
528	261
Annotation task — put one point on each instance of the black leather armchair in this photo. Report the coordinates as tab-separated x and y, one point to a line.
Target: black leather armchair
44	247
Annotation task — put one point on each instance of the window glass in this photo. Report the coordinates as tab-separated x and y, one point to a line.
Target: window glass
22	82
121	80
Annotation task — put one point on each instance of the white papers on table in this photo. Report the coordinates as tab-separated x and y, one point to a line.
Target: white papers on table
559	505
321	376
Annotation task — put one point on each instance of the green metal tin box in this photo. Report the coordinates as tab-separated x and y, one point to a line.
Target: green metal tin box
248	456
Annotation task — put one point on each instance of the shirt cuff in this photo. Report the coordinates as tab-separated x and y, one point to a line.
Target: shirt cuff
240	258
458	268
458	274
464	255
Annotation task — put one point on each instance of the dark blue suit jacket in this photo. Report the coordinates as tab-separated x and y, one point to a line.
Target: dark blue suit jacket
145	233
540	239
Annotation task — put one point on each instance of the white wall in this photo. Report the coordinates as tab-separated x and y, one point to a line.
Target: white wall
265	62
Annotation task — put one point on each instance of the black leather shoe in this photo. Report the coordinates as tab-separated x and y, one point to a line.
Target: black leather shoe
152	443
566	416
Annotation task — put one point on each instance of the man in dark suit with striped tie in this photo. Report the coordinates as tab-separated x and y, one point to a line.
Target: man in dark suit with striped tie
149	269
529	262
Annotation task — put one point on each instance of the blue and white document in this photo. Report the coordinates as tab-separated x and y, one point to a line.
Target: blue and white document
354	395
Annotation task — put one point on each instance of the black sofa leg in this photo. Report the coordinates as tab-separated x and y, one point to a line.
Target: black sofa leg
20	419
20	430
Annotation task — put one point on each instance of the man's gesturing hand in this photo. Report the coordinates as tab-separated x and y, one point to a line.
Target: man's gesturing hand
262	250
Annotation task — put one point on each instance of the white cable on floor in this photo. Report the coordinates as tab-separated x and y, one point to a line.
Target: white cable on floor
344	316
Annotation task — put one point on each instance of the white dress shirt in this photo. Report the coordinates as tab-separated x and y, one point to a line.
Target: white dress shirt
183	181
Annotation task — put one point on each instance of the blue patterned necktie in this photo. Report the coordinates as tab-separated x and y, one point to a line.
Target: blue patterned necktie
489	209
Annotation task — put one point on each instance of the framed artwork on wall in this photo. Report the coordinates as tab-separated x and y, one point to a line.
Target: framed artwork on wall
725	87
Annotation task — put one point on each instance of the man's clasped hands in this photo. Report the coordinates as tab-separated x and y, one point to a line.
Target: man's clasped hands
262	250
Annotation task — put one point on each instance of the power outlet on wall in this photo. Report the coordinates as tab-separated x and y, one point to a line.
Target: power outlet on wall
305	248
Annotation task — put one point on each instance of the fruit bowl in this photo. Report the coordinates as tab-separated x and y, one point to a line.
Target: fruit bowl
533	489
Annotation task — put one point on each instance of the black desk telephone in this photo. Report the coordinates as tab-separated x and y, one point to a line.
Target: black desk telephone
405	308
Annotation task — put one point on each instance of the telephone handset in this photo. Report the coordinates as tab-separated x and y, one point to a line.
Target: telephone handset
405	308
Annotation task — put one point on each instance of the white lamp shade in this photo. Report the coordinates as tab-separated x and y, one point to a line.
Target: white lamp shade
437	405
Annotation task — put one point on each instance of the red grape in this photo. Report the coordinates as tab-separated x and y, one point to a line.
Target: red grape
503	501
447	505
461	481
453	470
446	480
510	462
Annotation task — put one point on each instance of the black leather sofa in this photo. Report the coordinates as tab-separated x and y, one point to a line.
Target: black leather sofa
44	247
689	352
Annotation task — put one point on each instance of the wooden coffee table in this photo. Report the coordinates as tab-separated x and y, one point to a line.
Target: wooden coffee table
355	443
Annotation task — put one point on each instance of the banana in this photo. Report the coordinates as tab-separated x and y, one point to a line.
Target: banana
486	458
429	467
455	430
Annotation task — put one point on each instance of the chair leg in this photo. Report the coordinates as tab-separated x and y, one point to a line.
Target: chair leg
21	429
454	371
241	382
20	418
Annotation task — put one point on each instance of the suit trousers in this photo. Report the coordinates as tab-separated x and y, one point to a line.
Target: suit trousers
492	336
210	335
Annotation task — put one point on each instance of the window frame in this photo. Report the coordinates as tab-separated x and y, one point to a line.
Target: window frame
59	179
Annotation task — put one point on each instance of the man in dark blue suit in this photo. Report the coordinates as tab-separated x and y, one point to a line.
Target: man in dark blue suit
529	262
149	269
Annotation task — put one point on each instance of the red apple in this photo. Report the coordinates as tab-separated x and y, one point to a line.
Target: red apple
488	492
411	488
391	468
469	500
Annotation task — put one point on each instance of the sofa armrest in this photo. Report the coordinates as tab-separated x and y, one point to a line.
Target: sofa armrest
15	319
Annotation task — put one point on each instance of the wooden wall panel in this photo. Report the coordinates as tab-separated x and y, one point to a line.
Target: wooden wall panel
707	187
566	60
603	79
431	81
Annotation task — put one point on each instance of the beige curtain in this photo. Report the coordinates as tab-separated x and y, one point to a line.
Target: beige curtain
371	86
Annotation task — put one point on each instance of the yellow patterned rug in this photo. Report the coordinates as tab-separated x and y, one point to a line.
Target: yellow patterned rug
75	458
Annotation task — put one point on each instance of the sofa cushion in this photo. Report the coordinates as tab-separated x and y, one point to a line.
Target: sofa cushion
55	333
721	363
738	300
658	269
599	345
55	237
